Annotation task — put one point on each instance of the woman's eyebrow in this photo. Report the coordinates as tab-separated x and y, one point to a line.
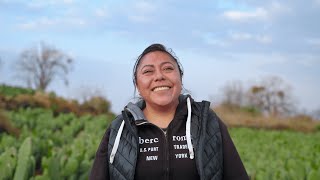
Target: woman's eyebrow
166	62
151	65
147	65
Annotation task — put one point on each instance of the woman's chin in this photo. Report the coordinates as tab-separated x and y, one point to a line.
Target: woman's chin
164	101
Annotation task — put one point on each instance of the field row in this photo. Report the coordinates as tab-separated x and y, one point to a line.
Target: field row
63	147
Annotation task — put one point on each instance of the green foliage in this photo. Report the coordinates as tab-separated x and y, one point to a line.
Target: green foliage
314	175
12	91
64	146
54	168
8	141
26	164
251	109
278	154
56	147
8	161
97	105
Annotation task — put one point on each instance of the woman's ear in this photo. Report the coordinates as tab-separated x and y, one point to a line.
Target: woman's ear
137	90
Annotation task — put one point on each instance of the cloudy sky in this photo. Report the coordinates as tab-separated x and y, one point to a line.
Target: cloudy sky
216	42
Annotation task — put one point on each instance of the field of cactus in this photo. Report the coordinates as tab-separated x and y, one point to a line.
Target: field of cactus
63	147
49	147
271	154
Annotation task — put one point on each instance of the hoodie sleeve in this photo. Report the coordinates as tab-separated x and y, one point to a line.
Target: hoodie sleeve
100	168
233	167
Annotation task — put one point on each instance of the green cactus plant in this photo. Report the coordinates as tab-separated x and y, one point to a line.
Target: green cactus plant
26	163
8	161
54	168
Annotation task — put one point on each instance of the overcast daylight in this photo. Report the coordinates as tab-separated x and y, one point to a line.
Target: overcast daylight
216	42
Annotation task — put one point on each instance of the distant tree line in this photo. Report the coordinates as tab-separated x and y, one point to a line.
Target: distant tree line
271	96
40	65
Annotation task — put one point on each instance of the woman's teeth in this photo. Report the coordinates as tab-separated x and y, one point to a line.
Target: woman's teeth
160	88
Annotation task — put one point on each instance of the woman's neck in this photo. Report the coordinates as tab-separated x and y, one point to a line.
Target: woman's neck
160	116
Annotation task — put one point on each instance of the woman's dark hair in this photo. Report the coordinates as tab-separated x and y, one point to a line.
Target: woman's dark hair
153	48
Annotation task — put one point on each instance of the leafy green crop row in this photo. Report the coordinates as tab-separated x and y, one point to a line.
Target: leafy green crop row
278	154
50	147
63	147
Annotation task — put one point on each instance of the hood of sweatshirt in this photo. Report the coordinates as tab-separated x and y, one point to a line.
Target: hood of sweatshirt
135	110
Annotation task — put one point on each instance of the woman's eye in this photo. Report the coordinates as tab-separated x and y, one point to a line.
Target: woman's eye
168	68
146	71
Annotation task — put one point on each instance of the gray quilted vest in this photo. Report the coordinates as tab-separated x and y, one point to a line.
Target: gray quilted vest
205	135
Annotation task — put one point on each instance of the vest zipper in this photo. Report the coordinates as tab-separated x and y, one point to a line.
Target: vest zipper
166	148
166	153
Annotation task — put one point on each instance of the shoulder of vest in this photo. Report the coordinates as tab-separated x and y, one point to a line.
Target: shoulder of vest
116	122
200	107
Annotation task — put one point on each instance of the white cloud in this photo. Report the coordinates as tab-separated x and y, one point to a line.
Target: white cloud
68	1
279	8
264	39
142	12
102	13
50	2
241	36
278	59
28	25
217	42
144	7
259	13
260	60
232	37
210	39
139	18
46	22
244	16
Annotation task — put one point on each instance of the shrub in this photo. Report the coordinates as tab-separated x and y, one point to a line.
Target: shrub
60	105
96	105
38	99
14	91
251	109
6	126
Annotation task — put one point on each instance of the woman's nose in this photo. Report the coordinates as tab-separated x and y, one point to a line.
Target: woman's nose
159	76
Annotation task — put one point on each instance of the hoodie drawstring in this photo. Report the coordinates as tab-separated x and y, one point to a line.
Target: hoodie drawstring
116	143
188	135
188	131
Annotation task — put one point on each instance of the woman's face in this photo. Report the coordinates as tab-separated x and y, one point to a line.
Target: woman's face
158	79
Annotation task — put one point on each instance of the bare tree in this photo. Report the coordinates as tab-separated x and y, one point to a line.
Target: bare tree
39	66
316	114
233	94
272	95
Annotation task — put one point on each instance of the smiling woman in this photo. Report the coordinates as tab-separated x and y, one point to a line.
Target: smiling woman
188	140
159	83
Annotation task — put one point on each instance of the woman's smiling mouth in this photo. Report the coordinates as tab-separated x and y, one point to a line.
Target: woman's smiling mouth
160	88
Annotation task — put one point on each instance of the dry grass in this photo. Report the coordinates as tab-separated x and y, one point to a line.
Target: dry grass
94	106
6	126
238	118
